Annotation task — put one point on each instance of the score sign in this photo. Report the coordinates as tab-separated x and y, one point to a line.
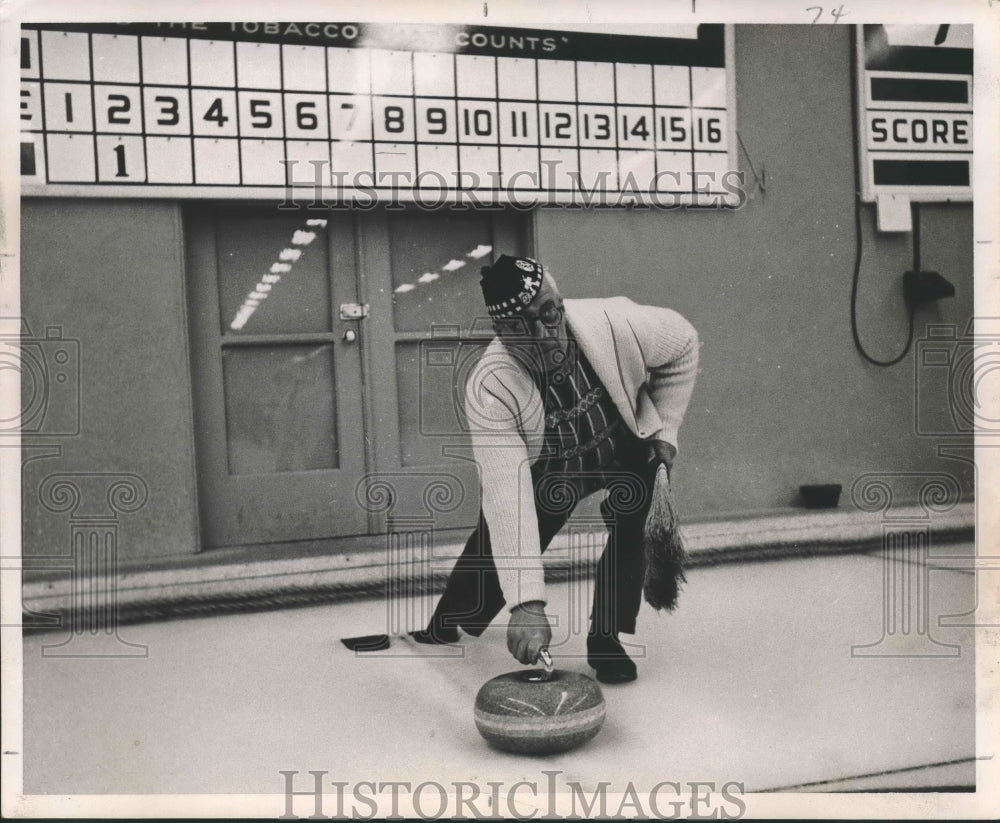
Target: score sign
251	109
915	118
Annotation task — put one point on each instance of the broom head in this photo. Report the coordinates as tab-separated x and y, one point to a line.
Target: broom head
662	547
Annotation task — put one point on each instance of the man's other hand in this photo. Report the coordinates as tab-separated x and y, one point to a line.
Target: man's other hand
528	631
660	451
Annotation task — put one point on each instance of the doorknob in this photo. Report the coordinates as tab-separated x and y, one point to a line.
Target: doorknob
350	336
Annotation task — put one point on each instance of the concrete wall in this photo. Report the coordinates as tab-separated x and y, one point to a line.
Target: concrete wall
110	275
783	397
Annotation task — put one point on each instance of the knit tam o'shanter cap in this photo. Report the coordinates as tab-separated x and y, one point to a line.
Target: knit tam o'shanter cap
510	284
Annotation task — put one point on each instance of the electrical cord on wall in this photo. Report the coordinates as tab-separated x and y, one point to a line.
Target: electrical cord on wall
857	228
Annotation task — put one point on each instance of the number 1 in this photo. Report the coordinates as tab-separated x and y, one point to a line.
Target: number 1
120	155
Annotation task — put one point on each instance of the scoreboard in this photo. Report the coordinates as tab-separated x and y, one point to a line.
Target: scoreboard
915	111
257	110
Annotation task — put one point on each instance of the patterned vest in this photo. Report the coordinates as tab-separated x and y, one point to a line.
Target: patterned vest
584	432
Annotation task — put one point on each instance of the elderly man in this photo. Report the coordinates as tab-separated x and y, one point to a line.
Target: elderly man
570	397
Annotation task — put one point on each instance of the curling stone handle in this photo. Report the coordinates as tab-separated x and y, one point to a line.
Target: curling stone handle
546	659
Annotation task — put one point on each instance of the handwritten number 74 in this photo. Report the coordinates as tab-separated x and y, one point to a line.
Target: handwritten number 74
836	13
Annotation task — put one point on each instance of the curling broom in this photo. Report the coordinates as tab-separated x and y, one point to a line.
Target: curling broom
662	547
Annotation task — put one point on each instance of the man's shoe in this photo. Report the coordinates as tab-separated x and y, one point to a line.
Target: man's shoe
614	672
607	657
436	635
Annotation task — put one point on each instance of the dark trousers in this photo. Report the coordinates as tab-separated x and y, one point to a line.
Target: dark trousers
472	596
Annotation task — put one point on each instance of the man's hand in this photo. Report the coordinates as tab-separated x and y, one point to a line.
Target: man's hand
660	451
528	631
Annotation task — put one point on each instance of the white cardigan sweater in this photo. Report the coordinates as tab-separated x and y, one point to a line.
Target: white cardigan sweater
646	358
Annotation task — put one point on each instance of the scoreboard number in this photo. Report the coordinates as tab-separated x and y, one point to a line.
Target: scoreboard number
215	110
306	117
120	160
518	123
350	117
393	119
673	129
635	129
261	114
558	124
709	131
477	122
167	110
597	126
169	114
436	121
118	108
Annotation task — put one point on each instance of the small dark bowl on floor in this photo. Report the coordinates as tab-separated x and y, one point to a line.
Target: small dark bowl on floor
820	496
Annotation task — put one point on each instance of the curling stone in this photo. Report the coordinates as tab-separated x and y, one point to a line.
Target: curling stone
539	711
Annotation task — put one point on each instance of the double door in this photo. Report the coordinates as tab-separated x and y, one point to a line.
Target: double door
328	353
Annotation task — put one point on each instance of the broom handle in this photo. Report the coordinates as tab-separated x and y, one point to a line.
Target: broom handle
546	659
661	490
661	485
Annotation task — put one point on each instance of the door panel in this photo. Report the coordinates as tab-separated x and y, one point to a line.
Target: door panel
434	280
250	248
426	332
279	417
277	387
